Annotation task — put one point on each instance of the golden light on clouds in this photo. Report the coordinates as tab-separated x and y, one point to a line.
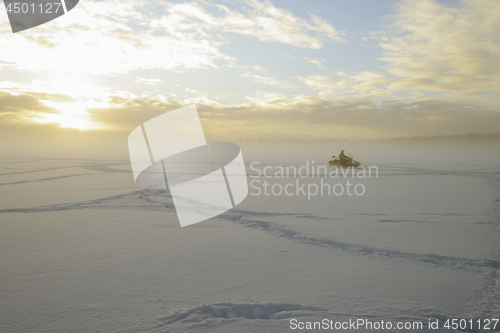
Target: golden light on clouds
71	115
69	96
259	69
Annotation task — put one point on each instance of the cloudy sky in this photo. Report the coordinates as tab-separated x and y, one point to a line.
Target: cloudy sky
286	68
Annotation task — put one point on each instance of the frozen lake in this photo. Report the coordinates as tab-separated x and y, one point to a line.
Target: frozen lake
84	250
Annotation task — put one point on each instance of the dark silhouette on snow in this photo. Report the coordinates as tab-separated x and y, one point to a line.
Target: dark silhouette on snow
344	161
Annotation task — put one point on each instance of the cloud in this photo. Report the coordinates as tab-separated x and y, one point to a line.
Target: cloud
365	84
44	108
112	37
451	51
125	114
270	24
18	105
324	84
316	62
150	82
318	118
103	38
269	114
261	20
269	80
264	114
444	48
259	68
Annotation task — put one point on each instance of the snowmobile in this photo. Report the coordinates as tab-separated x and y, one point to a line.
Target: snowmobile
346	163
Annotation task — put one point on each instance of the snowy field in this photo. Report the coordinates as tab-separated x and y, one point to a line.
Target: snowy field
82	249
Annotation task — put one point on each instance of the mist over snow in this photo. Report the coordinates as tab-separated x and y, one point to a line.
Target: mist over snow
84	249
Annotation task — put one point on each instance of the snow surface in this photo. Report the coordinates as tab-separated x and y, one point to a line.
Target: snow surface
82	249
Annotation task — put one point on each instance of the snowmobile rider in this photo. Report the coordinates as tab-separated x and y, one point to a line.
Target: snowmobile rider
343	157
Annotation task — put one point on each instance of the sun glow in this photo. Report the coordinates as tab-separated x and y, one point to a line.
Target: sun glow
71	115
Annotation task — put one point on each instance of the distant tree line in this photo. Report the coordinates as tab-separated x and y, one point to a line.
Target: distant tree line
464	137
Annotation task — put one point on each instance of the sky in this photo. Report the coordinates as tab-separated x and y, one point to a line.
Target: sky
318	69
